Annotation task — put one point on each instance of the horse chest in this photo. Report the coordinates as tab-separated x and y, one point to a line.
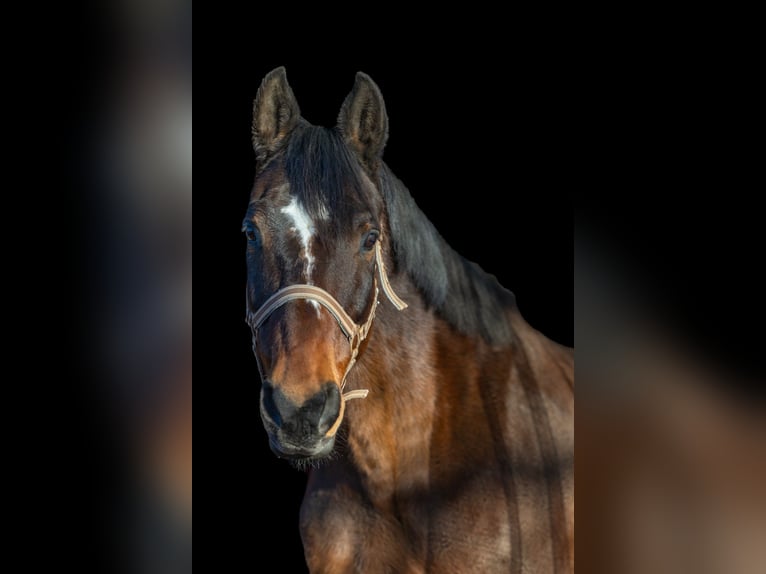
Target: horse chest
390	512
412	533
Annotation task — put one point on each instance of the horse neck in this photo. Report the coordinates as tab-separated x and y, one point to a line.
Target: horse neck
416	357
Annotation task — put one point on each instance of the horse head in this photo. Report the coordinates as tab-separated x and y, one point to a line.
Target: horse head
316	239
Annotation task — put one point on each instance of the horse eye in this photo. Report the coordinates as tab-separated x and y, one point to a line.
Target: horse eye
251	232
369	240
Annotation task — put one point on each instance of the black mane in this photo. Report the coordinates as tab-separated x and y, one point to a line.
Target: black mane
461	292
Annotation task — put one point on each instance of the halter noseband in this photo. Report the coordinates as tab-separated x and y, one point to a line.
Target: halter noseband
355	333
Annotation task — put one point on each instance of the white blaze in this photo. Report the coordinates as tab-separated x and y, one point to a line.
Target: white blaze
304	227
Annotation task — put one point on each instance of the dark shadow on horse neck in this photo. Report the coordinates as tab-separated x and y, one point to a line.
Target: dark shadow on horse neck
458	290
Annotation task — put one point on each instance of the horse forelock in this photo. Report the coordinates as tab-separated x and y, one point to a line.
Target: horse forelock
326	179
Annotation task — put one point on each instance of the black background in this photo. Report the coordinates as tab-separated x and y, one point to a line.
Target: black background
482	148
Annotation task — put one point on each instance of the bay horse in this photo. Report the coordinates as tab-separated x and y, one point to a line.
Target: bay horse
455	450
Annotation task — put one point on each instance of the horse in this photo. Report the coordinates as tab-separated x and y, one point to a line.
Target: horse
435	423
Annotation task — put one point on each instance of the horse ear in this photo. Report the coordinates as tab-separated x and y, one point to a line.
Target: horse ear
363	121
275	114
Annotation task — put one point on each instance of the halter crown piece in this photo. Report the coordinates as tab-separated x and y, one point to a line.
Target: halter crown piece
355	333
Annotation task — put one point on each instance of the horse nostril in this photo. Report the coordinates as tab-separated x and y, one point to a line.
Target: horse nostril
269	404
331	408
314	416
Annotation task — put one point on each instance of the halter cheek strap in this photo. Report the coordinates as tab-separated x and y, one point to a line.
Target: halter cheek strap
355	333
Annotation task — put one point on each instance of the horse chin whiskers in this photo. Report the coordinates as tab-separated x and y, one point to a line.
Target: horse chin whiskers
324	449
313	463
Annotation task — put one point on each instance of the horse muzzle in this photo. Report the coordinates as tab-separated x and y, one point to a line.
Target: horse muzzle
298	431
